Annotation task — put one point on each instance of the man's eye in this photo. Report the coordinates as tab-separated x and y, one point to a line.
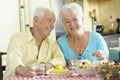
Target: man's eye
67	21
49	20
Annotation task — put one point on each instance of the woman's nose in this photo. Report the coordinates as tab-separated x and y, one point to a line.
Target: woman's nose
72	23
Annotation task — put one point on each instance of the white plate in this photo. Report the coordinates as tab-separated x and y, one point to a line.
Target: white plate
86	72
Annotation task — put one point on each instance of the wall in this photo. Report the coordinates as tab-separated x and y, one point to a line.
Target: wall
9	21
89	5
107	7
104	8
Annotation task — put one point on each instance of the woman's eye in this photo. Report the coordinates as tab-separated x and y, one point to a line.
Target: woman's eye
75	19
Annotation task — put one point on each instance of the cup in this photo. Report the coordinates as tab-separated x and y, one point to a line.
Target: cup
72	64
38	69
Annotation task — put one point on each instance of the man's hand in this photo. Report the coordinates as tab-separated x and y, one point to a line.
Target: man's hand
24	71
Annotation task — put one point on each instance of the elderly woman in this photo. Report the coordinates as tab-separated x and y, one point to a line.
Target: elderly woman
78	43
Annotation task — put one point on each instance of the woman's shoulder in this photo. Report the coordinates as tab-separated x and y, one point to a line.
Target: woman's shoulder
95	34
61	38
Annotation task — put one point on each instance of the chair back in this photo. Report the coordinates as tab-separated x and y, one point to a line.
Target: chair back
2	67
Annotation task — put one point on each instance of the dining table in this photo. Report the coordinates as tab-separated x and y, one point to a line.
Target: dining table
95	77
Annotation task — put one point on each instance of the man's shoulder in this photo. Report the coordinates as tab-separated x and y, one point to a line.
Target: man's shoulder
19	38
18	35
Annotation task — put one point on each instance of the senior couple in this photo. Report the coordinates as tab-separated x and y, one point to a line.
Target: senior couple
35	46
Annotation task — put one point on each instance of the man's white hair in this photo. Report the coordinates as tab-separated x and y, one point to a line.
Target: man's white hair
39	11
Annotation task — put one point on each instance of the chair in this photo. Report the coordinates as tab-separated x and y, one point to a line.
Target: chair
2	68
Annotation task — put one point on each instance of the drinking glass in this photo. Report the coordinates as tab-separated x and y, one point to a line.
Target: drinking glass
39	69
73	63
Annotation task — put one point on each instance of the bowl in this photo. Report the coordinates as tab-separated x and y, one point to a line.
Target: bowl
86	72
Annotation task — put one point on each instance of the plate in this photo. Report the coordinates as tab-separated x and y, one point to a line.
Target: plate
86	72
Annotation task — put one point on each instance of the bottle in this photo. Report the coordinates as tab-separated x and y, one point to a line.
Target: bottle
94	24
111	28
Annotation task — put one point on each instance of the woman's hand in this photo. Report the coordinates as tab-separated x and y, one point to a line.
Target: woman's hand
24	71
99	54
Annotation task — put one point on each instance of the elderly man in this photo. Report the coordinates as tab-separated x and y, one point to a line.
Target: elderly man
33	46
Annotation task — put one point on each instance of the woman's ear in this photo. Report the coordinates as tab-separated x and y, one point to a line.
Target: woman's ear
83	20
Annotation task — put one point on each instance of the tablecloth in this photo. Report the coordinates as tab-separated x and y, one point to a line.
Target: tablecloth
56	78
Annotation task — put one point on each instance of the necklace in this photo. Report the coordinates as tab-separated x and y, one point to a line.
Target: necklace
81	51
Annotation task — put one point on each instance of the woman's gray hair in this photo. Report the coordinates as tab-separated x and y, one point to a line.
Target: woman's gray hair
76	8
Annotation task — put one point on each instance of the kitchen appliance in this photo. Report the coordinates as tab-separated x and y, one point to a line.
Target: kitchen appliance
99	29
118	27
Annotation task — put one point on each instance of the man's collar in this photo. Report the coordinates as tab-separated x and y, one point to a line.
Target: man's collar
30	36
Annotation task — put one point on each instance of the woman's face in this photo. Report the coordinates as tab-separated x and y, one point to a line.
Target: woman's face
72	22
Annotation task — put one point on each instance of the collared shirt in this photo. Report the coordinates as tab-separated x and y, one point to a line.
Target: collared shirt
22	50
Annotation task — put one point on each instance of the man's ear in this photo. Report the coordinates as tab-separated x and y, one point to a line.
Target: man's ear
35	19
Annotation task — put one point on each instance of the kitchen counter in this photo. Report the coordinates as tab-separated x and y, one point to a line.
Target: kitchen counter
106	34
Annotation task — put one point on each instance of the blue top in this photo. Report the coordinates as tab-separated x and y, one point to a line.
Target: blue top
96	42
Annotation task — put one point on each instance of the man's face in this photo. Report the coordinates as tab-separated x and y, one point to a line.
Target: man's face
46	24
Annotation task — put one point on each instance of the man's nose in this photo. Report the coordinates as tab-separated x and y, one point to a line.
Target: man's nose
52	25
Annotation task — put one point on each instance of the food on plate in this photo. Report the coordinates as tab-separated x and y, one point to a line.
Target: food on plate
59	69
59	66
84	64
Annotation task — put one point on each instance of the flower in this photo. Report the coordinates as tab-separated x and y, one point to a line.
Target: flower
110	67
